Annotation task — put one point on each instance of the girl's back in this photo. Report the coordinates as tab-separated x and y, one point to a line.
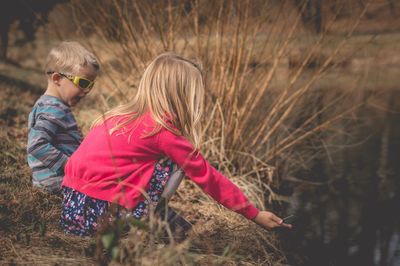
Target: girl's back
118	167
122	162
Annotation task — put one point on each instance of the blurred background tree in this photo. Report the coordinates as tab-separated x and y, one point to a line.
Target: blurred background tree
28	15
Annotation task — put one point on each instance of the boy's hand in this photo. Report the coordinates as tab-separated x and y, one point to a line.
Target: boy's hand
269	221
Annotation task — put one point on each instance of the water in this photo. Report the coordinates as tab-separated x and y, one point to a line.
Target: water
350	215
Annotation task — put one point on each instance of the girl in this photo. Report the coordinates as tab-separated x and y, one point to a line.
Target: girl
120	159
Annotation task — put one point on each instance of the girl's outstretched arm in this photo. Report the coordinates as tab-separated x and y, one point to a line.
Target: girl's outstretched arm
269	221
212	182
199	170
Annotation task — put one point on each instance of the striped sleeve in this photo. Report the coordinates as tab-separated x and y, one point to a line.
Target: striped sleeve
40	142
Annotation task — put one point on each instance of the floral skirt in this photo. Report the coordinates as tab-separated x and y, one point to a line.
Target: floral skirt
80	213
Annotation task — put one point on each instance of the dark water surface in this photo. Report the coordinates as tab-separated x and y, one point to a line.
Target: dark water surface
349	208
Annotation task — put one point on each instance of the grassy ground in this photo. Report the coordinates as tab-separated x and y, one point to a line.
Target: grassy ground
28	217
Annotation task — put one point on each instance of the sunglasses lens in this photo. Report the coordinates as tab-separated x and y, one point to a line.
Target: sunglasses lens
84	83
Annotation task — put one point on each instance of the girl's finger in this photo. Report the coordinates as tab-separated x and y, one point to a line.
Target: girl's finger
286	225
277	219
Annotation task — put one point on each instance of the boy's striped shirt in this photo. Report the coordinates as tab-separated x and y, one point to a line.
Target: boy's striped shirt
53	136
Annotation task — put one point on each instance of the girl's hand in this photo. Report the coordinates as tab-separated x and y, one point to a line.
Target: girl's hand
269	221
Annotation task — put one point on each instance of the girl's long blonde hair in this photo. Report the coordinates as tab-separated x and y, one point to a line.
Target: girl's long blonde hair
171	88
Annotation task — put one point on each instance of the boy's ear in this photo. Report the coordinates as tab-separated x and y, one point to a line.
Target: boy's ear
56	78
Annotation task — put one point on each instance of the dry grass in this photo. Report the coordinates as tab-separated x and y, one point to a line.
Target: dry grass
28	217
260	111
261	102
262	106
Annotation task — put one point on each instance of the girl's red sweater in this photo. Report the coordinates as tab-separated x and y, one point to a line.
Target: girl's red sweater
118	167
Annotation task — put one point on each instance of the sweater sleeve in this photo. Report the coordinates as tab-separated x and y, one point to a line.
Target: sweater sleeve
219	187
40	143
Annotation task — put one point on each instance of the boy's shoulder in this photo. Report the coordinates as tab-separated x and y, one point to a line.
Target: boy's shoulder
51	106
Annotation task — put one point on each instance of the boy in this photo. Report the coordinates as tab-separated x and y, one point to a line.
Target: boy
53	134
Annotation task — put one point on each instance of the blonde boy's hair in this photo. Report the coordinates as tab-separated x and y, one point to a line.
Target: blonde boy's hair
69	58
171	89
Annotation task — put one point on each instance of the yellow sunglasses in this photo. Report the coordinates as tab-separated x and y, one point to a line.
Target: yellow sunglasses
83	83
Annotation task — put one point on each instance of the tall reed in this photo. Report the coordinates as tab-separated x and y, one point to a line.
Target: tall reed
254	98
263	107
